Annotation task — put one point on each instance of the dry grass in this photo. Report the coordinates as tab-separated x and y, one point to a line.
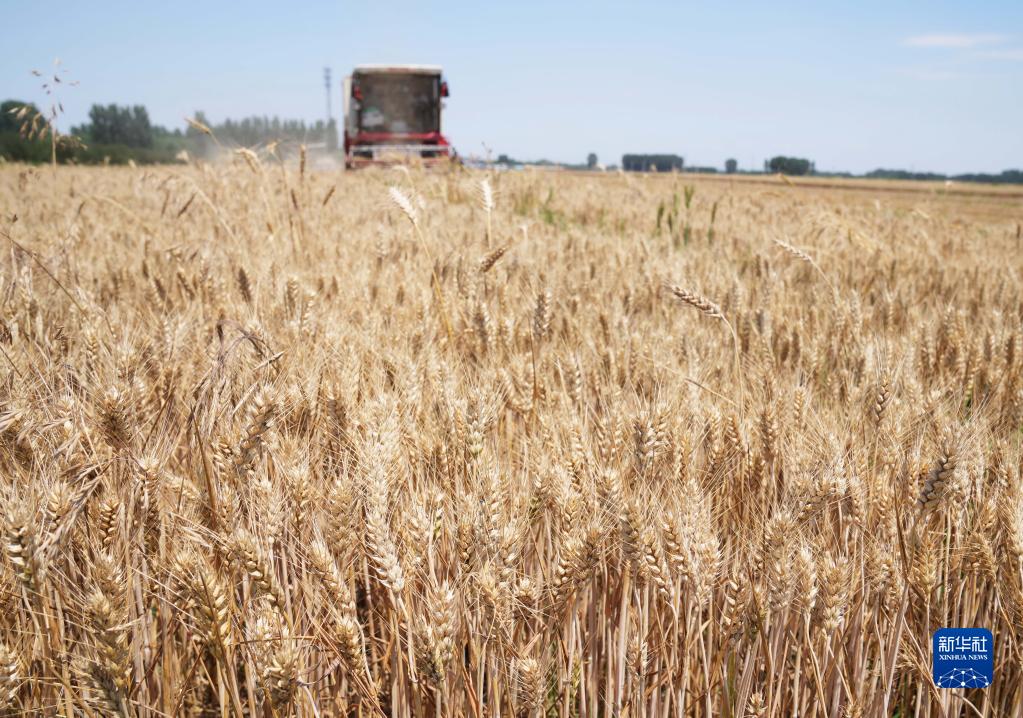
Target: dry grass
278	442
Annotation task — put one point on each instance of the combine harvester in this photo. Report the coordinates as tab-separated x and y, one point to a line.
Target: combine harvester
392	115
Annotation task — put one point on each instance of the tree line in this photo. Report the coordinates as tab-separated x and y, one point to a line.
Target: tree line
1004	177
800	167
253	131
117	134
674	163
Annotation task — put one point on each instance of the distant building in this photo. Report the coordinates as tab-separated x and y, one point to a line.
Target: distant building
652	163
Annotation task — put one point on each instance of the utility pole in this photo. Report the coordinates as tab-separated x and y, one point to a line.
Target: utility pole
326	83
330	134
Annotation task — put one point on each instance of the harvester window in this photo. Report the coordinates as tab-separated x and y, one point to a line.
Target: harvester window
404	104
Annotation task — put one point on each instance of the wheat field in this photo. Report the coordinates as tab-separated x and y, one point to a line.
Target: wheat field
277	442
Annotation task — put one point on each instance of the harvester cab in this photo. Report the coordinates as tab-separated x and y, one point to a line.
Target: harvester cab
392	114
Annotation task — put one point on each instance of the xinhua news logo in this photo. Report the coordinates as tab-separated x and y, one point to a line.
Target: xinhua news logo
963	658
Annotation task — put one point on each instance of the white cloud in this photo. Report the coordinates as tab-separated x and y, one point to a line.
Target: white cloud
954	40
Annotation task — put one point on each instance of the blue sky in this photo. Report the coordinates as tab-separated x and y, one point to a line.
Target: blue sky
854	86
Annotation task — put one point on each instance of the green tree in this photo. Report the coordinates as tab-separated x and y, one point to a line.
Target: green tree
591	160
789	165
116	125
657	163
20	139
731	166
9	110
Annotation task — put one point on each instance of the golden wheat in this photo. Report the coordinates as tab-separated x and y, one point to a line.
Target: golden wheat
317	444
